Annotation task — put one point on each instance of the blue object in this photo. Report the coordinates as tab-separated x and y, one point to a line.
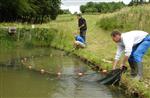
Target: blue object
79	38
139	50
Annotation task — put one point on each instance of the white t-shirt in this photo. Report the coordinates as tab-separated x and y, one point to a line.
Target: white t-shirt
128	40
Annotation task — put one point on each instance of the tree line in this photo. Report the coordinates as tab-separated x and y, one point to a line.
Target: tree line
138	2
32	11
64	11
101	7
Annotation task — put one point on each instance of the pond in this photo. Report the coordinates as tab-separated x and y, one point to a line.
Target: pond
48	73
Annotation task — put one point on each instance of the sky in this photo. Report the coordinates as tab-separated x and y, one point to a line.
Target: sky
74	5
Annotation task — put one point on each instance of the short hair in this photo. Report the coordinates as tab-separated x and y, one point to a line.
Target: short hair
114	33
79	15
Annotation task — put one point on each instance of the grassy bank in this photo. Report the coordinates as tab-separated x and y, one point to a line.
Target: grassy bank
133	18
100	48
136	17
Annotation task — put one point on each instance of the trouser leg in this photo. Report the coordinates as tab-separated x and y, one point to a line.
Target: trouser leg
132	63
140	70
83	35
133	67
138	55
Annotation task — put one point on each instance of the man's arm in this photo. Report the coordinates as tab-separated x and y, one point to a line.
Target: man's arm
117	56
125	59
115	64
83	21
81	26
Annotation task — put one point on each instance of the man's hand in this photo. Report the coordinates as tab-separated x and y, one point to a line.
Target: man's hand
78	28
122	66
81	26
78	31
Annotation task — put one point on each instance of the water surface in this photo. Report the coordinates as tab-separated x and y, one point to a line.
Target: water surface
18	78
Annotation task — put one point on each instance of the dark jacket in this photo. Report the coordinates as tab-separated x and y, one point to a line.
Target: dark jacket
82	21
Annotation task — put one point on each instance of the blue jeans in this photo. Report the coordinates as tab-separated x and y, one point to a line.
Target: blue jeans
139	50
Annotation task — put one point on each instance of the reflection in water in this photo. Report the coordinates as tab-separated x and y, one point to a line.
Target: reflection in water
79	69
68	77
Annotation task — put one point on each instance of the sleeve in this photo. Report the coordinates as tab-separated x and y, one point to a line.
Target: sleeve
120	49
84	21
81	22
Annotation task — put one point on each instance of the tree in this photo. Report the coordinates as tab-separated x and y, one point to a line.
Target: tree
141	1
65	11
55	6
82	8
102	7
35	11
137	2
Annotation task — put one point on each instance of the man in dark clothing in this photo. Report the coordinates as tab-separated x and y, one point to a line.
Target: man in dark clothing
82	26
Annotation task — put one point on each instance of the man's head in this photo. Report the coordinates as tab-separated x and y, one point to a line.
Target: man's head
116	36
75	34
79	16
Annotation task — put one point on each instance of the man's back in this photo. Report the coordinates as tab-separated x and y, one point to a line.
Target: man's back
134	37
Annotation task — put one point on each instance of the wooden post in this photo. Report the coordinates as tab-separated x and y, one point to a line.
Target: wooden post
11	31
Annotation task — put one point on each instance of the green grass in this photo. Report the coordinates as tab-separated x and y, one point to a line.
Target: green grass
100	47
127	19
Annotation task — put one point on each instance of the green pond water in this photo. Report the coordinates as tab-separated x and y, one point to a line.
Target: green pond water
23	74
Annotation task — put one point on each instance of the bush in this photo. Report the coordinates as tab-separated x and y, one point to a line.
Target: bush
102	7
5	39
127	19
29	37
41	37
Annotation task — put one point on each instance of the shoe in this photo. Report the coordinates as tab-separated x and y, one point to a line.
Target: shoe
140	70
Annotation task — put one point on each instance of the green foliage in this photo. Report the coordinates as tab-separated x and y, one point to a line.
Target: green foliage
138	2
37	37
108	24
64	11
129	19
101	7
55	6
35	11
5	39
29	37
41	37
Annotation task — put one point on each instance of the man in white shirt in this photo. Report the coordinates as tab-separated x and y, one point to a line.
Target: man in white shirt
134	44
